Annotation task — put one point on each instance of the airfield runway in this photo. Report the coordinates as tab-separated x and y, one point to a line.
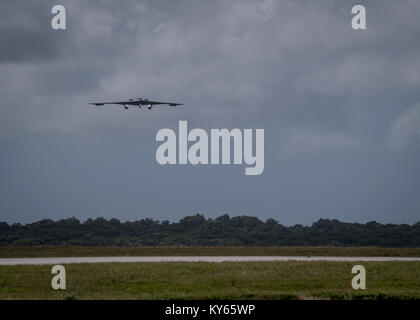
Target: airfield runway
71	260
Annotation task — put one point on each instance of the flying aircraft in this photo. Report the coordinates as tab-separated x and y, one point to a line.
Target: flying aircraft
138	102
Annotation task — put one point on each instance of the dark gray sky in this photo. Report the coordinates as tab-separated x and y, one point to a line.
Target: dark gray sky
340	108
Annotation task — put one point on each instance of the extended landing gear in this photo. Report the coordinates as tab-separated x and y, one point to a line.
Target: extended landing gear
149	106
125	107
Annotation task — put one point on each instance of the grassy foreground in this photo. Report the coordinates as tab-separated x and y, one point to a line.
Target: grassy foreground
201	280
69	251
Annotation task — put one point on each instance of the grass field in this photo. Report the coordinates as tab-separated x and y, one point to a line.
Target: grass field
201	280
50	251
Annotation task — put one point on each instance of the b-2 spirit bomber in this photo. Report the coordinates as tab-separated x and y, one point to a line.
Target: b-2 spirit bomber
139	102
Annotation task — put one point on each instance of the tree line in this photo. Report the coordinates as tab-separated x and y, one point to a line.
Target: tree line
196	230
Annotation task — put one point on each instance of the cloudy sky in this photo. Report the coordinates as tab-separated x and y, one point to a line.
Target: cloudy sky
340	108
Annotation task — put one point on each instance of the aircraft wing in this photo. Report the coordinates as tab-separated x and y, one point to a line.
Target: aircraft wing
172	104
103	103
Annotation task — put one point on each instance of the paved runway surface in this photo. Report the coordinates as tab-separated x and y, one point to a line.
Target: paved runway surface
69	260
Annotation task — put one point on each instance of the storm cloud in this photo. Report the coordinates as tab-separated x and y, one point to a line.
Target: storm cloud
339	108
